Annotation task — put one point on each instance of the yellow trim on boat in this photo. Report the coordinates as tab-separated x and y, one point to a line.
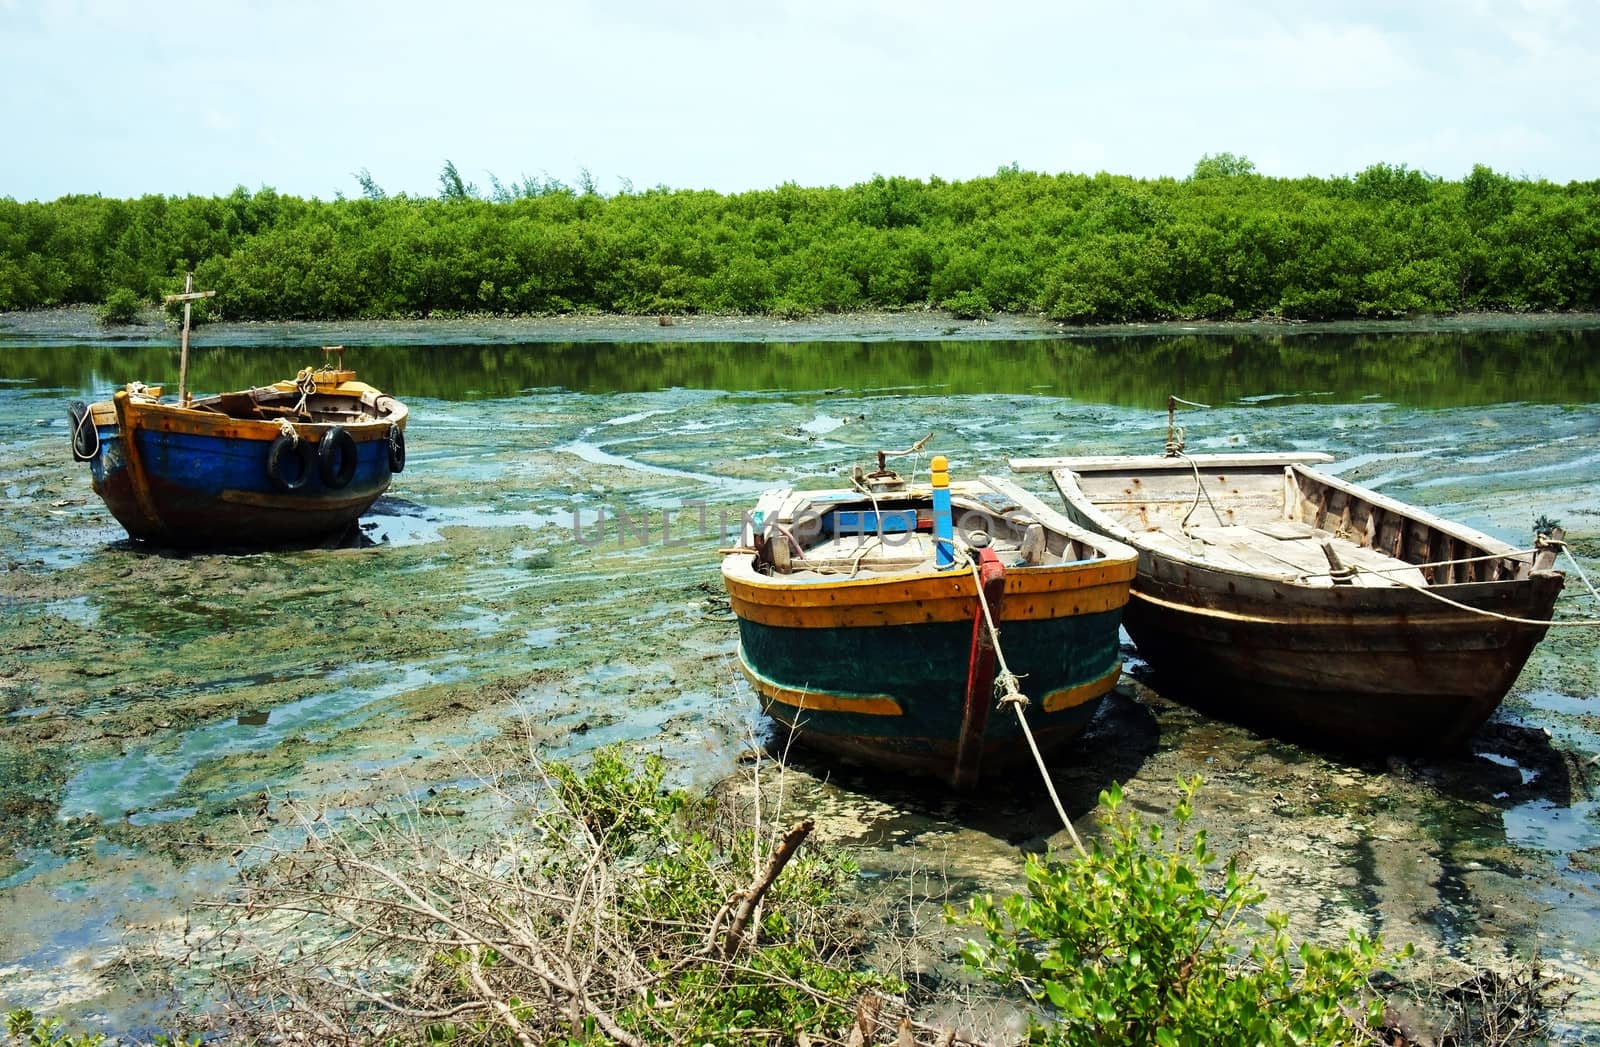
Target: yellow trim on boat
817	701
825	607
1067	697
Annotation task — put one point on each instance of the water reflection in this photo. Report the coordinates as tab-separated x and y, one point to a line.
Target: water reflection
1419	369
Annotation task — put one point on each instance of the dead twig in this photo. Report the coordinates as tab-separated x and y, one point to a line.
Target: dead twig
751	896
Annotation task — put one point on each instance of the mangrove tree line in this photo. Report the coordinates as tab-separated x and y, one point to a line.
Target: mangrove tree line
1225	242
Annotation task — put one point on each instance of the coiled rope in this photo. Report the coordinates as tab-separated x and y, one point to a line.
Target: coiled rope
1174	430
306	382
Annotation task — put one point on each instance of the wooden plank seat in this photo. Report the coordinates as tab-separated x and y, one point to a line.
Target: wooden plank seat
1286	548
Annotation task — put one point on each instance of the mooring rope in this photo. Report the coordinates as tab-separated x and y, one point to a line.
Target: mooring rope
88	417
1199	489
1584	623
1544	543
1011	694
1174	430
1576	566
1407	568
877	514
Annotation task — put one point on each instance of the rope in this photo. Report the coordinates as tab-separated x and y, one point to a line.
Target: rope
288	430
1406	568
1011	694
88	418
306	382
861	553
1588	623
1577	567
1199	489
862	486
1544	542
913	449
1174	430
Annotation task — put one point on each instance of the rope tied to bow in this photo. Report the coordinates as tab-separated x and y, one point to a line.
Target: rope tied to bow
1009	689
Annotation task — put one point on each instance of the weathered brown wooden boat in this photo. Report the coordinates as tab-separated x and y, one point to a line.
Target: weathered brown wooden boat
1291	600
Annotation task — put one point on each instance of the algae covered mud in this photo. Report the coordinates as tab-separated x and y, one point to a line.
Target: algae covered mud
546	570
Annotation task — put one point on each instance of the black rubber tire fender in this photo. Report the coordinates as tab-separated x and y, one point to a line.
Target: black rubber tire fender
336	457
304	453
397	449
85	439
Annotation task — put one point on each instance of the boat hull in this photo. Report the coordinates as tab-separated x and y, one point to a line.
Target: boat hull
188	478
1317	610
874	671
1392	671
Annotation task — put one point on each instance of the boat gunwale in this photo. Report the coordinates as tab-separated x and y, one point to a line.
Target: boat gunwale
1066	481
143	414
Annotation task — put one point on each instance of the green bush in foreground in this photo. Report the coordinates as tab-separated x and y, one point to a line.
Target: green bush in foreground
1144	941
619	911
26	1029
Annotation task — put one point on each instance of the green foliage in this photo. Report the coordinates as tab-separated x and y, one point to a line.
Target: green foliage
451	185
620	803
25	1029
121	307
1226	242
968	305
681	861
1145	941
611	913
1223	165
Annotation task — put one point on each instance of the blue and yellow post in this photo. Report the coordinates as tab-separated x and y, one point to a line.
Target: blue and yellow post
944	531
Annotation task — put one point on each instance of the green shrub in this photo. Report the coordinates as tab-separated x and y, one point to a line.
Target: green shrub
26	1029
968	305
616	913
121	306
1145	941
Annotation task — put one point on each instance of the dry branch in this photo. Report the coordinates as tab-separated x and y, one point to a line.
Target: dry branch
751	896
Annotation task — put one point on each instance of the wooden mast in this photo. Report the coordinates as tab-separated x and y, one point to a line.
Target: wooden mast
188	296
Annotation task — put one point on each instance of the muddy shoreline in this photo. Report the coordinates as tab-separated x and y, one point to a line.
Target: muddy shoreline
160	712
76	325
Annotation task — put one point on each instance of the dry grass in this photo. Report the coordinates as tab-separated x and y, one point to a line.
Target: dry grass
610	912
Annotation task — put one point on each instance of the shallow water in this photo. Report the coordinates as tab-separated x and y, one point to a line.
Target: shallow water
546	565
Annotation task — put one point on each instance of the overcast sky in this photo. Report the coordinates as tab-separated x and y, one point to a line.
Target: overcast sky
124	98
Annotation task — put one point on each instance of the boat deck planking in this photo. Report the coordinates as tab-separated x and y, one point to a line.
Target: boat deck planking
1293	550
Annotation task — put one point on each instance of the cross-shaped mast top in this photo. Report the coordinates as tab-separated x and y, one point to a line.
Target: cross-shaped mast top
188	296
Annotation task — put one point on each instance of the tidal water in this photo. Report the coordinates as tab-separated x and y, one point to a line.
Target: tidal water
544	572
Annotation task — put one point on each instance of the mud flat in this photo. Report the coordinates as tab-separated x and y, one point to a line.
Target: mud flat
544	572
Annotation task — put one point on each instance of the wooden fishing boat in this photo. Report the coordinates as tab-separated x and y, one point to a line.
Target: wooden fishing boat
1282	597
862	631
289	462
